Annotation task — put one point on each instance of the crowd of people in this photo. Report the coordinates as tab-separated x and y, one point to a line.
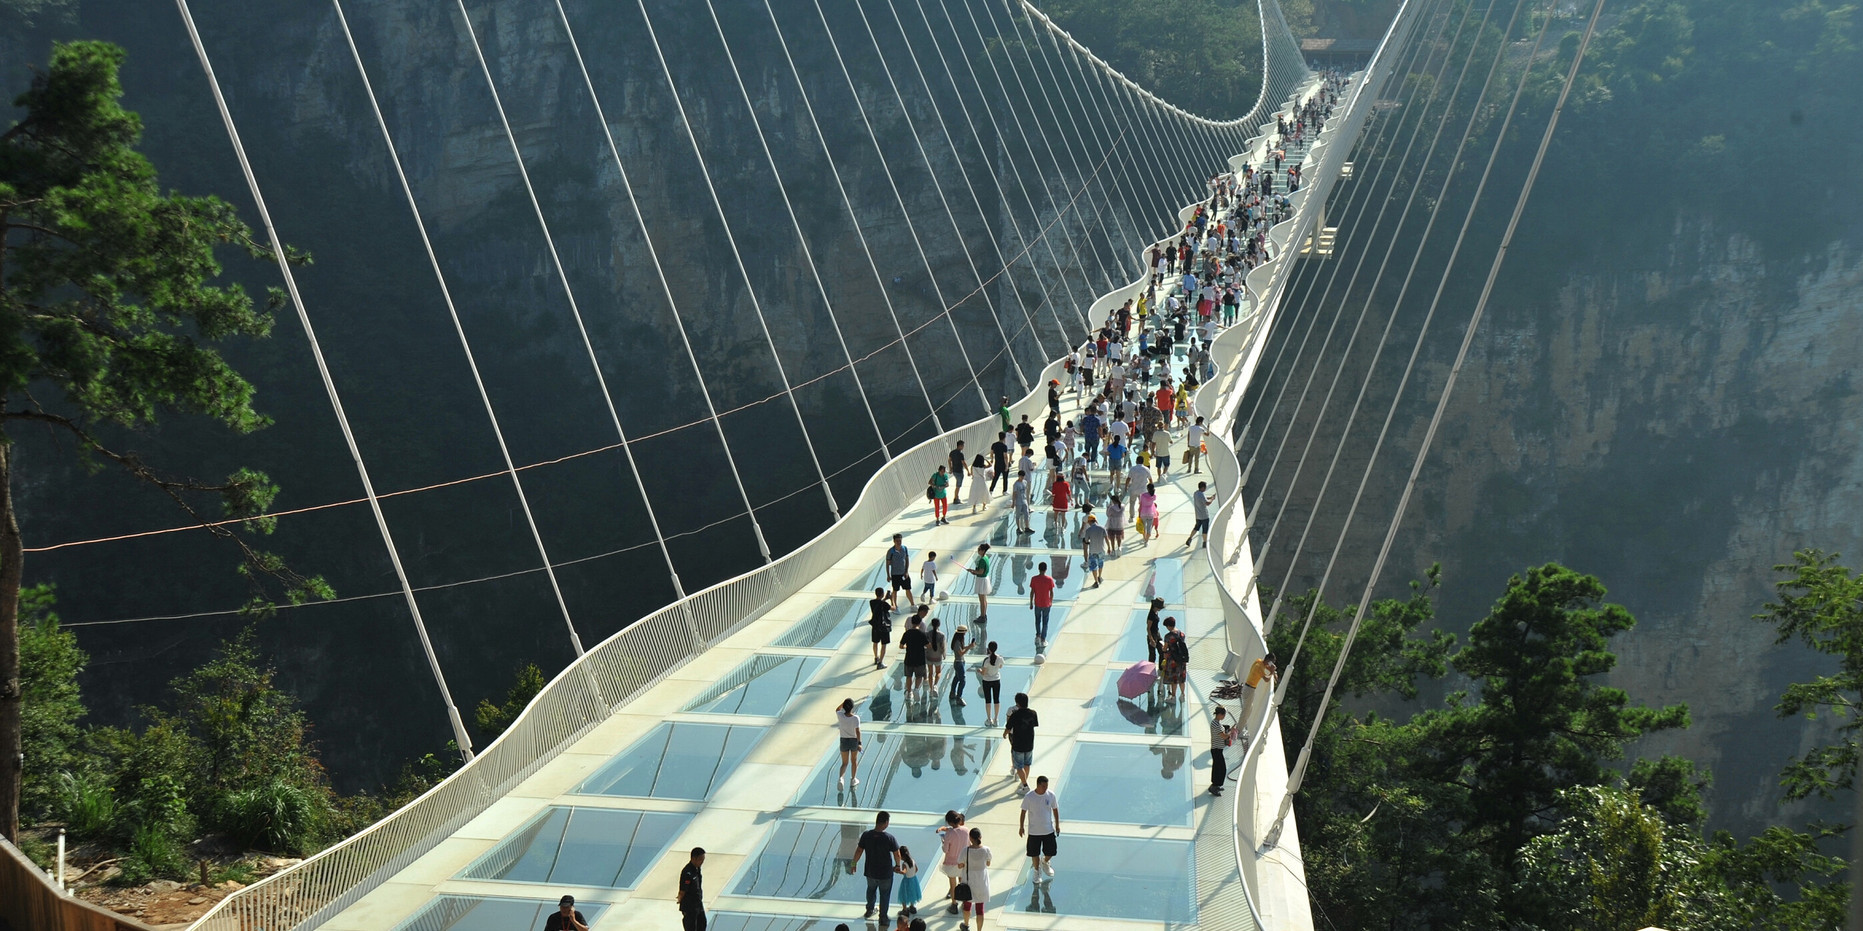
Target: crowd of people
1134	376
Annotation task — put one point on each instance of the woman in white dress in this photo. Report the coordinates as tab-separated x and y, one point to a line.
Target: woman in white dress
976	871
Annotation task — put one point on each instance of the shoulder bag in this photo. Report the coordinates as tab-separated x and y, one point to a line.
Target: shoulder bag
962	892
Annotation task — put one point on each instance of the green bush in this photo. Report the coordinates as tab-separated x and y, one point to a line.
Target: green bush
153	854
159	803
87	804
275	815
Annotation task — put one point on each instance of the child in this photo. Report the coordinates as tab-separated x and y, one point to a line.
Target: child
909	891
928	574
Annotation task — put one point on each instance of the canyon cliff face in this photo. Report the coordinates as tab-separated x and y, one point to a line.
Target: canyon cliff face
1675	423
955	162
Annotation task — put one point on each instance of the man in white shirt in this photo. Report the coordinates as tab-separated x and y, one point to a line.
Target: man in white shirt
1019	497
1193	439
1040	822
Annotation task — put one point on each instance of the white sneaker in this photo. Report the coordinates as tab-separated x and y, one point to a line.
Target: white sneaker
1049	869
840	781
857	780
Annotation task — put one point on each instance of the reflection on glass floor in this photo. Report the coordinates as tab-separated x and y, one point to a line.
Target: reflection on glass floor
890	703
1115	877
1146	714
1010	574
486	913
1166	580
1127	784
674	760
902	772
745	921
760	685
805	860
572	846
824	627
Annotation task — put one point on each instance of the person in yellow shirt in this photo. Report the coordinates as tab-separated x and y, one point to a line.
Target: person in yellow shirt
1263	668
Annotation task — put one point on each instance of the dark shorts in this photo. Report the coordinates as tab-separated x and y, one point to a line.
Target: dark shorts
900	582
991	690
882	634
1041	845
1203	526
850	745
915	669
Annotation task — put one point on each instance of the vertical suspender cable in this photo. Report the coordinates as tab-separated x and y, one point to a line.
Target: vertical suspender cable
750	288
1133	241
460	736
1442	401
853	217
802	239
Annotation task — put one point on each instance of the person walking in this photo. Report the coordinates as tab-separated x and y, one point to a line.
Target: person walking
976	862
691	895
1041	598
1200	509
983	475
928	578
999	459
1019	730
1093	548
934	658
847	722
980	570
1193	446
1040	822
939	490
882	852
1221	736
1148	513
1115	526
898	570
960	645
990	684
566	917
960	466
1019	501
1002	413
881	620
952	838
909	889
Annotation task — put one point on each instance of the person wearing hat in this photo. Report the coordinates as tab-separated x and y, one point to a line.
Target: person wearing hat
1093	547
566	918
691	894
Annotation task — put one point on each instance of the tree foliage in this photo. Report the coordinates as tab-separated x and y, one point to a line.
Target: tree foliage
1821	606
1203	55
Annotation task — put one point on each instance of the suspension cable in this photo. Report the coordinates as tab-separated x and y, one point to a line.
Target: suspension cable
463	739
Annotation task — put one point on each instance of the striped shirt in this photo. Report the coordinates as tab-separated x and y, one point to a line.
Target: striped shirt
1219	733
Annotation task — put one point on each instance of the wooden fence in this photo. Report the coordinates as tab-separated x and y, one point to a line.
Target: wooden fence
29	901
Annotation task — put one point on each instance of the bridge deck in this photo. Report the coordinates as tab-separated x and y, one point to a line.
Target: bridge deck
736	752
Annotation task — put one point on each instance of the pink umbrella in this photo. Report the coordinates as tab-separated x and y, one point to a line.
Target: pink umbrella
1137	678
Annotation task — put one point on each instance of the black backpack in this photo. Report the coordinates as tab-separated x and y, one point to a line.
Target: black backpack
1180	651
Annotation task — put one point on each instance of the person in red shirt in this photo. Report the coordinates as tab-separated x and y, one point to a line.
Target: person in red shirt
1041	598
1167	399
1061	492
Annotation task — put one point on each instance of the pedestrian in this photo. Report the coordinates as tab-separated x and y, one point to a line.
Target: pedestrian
928	578
1193	446
1019	501
912	643
898	570
960	645
691	895
1115	525
1002	412
1200	509
1061	495
847	722
1019	730
909	889
1137	477
1162	454
938	489
1262	668
1040	822
1221	736
953	839
976	862
881	620
990	684
1176	664
999	459
882	853
984	474
1093	547
1154	636
567	918
980	570
1041	598
960	465
1148	513
934	657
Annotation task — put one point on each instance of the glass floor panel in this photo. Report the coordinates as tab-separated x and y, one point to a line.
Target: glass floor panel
674	760
1127	784
1166	581
806	860
1131	647
1010	573
889	701
761	685
745	921
486	913
903	772
1146	714
569	846
1114	877
825	626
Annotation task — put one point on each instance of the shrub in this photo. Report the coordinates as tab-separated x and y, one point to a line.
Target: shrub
153	854
275	815
87	804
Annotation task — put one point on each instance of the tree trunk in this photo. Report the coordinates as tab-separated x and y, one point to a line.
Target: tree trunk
10	575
